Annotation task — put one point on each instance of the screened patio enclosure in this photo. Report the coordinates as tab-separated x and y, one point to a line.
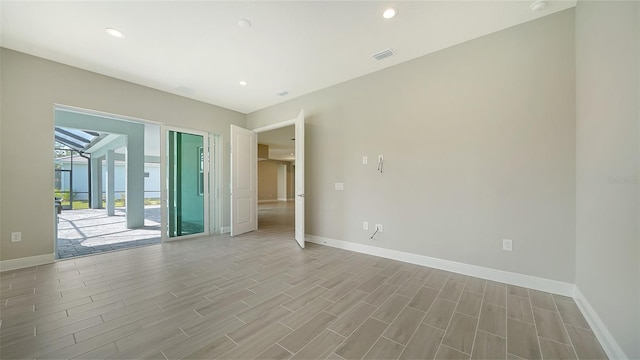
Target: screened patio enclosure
107	183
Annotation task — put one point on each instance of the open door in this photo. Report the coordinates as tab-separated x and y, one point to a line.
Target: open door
299	179
244	177
244	164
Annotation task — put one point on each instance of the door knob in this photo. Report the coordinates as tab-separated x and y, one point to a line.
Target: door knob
302	195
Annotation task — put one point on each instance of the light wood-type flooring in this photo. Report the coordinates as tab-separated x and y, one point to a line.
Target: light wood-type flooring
260	296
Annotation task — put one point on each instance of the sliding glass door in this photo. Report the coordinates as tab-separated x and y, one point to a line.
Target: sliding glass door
187	182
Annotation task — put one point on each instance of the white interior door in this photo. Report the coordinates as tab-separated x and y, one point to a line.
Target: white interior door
299	176
244	165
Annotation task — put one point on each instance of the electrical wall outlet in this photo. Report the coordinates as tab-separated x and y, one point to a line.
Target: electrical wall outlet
16	236
365	225
507	245
379	228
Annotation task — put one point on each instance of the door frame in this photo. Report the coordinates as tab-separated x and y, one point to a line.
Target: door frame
209	202
279	125
114	116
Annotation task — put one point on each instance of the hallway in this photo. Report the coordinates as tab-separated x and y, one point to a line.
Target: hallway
276	215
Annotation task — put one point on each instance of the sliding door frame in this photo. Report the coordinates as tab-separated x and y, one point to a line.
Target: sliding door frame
209	201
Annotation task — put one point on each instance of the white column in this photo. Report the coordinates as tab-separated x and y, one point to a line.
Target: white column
111	184
96	182
135	179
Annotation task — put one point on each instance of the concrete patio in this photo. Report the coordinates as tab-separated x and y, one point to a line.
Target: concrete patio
90	231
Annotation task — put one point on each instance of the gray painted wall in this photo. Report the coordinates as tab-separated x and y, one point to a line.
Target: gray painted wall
607	159
30	87
479	145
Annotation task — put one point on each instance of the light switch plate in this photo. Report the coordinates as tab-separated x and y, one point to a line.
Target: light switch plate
339	186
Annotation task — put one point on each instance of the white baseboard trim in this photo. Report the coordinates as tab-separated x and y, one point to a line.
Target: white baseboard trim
225	230
608	342
267	201
27	262
528	281
282	199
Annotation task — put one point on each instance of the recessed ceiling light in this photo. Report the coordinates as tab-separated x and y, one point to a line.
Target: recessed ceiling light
244	23
114	32
389	13
244	83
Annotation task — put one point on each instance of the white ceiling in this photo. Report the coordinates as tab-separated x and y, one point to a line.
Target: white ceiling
196	49
281	145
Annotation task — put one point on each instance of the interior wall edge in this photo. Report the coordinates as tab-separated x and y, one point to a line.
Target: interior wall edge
606	339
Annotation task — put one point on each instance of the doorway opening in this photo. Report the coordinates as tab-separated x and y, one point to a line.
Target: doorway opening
244	177
107	183
276	179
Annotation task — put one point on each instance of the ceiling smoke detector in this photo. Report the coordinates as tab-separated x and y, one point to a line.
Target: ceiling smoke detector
538	5
383	54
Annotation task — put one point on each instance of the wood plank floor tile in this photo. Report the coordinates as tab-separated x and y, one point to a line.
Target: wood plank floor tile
259	295
304	314
519	308
275	352
345	303
258	324
447	353
469	303
358	343
410	288
452	289
475	285
388	311
300	301
489	346
495	294
440	313
320	347
403	327
555	350
423	299
381	294
522	340
542	300
585	343
424	343
384	349
570	314
550	326
212	350
350	321
493	319
300	337
517	291
461	333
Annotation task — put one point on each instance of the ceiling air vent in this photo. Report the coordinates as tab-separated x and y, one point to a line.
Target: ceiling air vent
383	54
282	93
